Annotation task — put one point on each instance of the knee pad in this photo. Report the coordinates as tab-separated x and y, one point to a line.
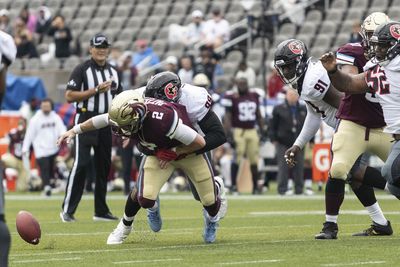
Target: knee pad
339	170
146	203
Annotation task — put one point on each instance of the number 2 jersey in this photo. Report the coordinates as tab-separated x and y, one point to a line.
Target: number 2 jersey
385	83
312	89
197	102
159	126
362	109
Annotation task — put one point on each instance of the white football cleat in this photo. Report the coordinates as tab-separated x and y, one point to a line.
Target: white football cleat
119	234
222	196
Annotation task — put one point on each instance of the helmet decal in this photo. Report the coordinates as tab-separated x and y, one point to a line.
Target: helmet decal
170	91
296	47
395	31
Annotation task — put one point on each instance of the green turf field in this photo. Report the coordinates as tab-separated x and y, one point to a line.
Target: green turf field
258	231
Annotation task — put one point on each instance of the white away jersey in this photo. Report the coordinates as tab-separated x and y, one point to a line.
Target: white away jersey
8	50
385	82
315	85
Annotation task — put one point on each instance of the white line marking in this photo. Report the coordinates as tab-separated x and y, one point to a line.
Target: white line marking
46	260
248	262
353	263
145	261
313	212
187	196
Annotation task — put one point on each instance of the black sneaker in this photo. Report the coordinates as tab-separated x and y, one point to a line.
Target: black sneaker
105	218
329	231
376	229
67	218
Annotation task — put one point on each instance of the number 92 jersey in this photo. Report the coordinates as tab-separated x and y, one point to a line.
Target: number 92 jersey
313	89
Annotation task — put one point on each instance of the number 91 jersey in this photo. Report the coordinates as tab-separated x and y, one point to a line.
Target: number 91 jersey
313	89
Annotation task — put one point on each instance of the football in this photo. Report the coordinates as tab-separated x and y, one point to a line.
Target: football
28	227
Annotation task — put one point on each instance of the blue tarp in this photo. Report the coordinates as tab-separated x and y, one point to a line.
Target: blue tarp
22	89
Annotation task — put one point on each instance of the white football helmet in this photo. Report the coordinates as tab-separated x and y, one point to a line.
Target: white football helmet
127	112
368	27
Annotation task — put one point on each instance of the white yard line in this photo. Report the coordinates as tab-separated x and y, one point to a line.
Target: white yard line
146	261
187	197
353	263
247	262
313	212
46	260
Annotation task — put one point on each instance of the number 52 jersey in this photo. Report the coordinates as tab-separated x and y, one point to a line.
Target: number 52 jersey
312	90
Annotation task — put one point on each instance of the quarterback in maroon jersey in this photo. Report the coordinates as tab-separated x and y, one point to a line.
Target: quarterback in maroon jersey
165	136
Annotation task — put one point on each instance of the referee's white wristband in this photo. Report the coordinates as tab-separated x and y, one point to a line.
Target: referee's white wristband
77	129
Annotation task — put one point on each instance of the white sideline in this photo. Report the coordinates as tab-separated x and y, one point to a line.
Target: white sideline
353	263
146	261
46	260
248	262
314	212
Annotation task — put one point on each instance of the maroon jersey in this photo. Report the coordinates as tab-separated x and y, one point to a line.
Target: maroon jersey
362	109
160	123
243	109
16	140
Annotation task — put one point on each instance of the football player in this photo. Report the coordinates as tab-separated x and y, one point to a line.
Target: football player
322	100
160	128
8	52
241	119
381	76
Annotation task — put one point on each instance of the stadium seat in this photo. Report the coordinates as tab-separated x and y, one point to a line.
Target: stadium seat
123	11
71	3
84	12
163	33
96	24
233	17
160	9
53	64
71	62
334	15
178	9
146	33
314	16
328	27
306	38
115	23
55	4
340	40
79	24
35	4
323	41
234	56
394	13
91	3
380	4
154	22
308	28
340	4
141	10
103	12
359	4
288	29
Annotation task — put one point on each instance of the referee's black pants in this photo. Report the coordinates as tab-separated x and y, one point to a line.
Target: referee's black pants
101	142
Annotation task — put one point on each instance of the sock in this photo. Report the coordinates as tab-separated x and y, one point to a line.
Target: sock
154	208
127	221
217	186
365	194
308	183
234	172
331	218
254	176
374	178
376	214
334	195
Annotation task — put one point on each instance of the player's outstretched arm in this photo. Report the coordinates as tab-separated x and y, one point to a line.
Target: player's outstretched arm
94	123
352	84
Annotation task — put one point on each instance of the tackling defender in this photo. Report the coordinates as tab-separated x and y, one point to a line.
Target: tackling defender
159	127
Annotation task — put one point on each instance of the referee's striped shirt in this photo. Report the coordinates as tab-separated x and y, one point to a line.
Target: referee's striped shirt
88	75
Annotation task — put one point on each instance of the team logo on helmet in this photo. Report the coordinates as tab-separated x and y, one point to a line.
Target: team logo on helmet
296	47
395	31
170	91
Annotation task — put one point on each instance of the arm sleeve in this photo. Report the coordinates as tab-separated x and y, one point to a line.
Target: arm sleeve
184	134
100	121
213	130
29	136
310	128
316	82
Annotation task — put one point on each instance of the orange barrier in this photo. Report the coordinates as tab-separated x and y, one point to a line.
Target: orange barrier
7	122
321	162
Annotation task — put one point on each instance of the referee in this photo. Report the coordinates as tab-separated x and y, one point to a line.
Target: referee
92	86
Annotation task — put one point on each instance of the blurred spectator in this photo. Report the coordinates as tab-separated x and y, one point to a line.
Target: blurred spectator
186	70
216	30
13	157
62	36
274	83
286	124
5	24
206	64
195	30
129	73
246	72
355	36
43	23
24	41
171	64
115	55
43	131
29	19
144	56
